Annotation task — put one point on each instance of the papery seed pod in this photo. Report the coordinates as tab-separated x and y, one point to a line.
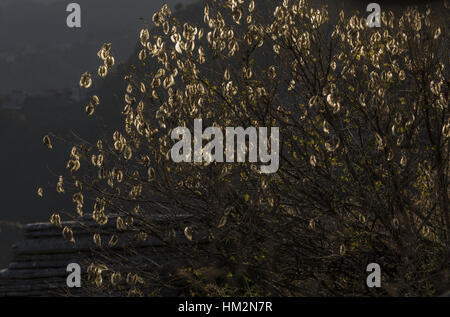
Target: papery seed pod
143	89
142	236
59	185
222	221
90	108
86	80
144	36
109	61
68	234
272	72
390	156
437	33
313	160
188	233
113	241
98	280
251	6
102	71
97	240
127	153
116	278
95	100
47	142
425	231
55	219
342	250
120	224
395	223
362	218
226	75
403	160
142	54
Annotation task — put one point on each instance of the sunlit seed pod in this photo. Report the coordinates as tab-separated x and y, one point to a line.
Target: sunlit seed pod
109	61
362	218
120	224
86	80
80	210
74	152
144	36
333	65
100	145
95	100
251	6
98	280
403	161
97	240
94	159
73	165
102	54
78	198
166	27
102	219
342	250
142	236
40	192
127	154
143	89
188	233
326	128
131	278
79	185
142	54
102	71
276	48
116	278
90	108
425	231
113	241
437	33
222	221
313	101
178	47
129	221
47	142
99	162
68	234
59	185
313	160
151	174
312	224
380	142
226	75
55	220
390	156
400	139
118	146
272	72
446	130
395	223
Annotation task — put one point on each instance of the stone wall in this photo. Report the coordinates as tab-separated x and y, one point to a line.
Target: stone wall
39	261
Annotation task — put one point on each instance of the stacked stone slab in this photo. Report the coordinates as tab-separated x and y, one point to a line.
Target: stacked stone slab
39	265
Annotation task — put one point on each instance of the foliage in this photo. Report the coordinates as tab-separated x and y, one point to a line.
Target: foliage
364	169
